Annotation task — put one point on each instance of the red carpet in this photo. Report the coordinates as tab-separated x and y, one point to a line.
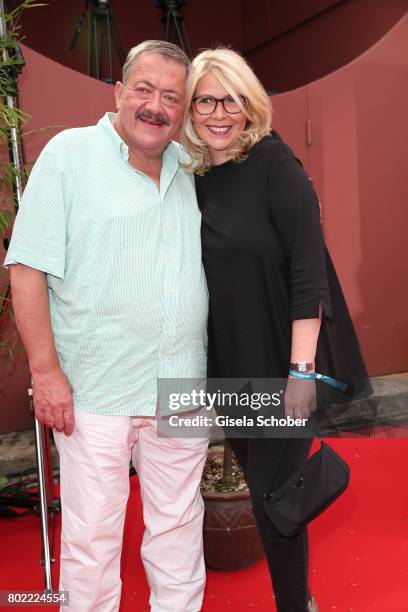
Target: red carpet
359	547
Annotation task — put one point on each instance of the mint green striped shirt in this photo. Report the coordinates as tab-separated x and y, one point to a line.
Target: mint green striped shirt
128	296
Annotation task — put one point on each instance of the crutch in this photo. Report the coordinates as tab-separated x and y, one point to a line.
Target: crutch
46	494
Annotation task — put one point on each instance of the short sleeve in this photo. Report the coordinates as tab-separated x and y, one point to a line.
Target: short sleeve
39	232
295	213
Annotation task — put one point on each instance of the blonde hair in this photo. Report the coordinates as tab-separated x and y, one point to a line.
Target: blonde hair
238	78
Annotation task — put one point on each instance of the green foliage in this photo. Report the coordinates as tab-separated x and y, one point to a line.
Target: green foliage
223	486
9	42
11	117
12	120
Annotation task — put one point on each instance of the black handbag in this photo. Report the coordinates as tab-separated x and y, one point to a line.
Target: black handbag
317	483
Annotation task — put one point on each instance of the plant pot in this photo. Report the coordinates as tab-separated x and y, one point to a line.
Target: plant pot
231	539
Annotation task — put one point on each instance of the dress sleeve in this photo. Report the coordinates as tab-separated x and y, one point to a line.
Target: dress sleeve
295	213
39	233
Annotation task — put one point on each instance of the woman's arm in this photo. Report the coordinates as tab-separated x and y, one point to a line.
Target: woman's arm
300	394
305	333
295	212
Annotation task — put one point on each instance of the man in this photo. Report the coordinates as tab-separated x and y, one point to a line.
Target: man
109	295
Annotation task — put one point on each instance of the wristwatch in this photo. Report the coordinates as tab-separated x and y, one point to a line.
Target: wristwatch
302	367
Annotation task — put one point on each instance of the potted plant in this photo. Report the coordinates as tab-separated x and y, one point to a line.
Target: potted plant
231	539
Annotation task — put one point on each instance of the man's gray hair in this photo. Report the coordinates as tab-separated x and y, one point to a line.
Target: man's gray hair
154	46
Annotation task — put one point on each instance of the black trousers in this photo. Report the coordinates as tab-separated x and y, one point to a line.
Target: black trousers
269	462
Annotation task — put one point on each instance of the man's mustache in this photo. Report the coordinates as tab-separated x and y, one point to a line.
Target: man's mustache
156	117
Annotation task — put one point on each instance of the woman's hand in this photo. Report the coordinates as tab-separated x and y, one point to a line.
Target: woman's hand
300	397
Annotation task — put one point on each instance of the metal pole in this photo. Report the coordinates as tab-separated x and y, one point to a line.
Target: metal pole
39	447
14	141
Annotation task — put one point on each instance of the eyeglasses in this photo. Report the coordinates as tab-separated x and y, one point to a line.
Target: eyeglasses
206	105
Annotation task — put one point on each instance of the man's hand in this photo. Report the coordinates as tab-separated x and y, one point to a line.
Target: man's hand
53	403
300	397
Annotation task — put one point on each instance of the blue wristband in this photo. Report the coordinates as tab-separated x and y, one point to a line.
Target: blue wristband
311	375
315	376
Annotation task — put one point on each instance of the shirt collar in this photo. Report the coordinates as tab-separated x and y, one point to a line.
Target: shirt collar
106	125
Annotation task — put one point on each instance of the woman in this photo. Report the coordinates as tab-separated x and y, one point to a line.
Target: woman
265	262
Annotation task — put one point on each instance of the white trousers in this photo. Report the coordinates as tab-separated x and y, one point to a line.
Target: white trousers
94	464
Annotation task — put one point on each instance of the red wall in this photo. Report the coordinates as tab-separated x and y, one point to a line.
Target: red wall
265	20
357	159
288	42
288	47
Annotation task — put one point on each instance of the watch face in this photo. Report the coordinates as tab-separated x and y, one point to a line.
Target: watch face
301	367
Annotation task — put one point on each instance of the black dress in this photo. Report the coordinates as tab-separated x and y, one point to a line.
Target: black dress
266	264
264	259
